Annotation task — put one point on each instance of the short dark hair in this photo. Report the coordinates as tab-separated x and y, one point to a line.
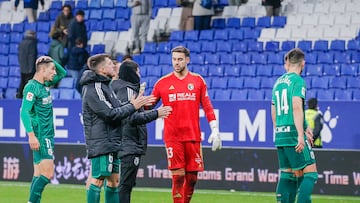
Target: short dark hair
127	56
295	56
79	41
57	35
312	103
42	63
94	61
181	49
67	6
80	12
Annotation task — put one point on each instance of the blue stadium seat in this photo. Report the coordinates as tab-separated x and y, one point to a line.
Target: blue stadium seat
331	70
231	71
218	23
43	27
208	81
138	59
251	34
153	71
54	93
150	48
197	59
207	35
14	71
66	93
4	49
264	22
236	34
82	4
310	94
222	95
121	3
240	46
248	22
4	60
278	70
53	13
353	83
165	47
30	26
353	45
337	82
109	14
259	58
287	45
13	60
216	71
355	57
223	46
18	27
43	37
256	95
177	36
256	47
248	70
251	83
305	45
98	49
325	95
192	35
67	83
95	4
123	13
151	59
226	58
17	37
221	35
211	93
219	82
235	83
213	59
107	4
239	94
77	95
320	82
56	5
274	58
4	71
267	83
164	59
4	37
349	70
267	94
208	47
6	27
194	47
243	58
325	58
10	93
3	82
201	70
321	45
110	25
356	95
13	82
166	69
264	70
343	95
337	45
342	57
311	58
278	21
272	46
161	3
314	70
122	25
233	23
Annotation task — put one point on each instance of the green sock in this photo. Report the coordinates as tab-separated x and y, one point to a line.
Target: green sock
286	188
37	189
93	194
306	187
111	195
33	181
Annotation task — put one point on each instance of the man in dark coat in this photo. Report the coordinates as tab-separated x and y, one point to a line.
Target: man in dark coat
77	29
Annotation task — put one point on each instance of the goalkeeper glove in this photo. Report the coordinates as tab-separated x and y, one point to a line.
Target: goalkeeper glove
215	138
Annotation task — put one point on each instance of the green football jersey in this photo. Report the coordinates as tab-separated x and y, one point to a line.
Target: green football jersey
286	87
36	108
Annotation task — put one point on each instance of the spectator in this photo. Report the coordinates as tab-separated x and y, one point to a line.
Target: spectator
77	29
140	23
202	16
187	20
77	58
27	57
56	49
126	58
62	23
272	7
315	120
30	7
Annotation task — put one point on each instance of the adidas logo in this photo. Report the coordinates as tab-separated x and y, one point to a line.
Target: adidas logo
171	87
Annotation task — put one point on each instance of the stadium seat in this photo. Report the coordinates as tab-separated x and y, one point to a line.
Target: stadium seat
272	46
278	70
337	45
151	59
206	35
331	70
353	83
18	27
321	45
43	37
95	4
201	70
166	69
264	70
342	57
274	58
355	57
251	34
109	13
356	95
311	94
121	4
212	59
325	95
192	35
197	59
278	21
13	60
239	94
14	71
230	71
216	70
287	45
224	47
165	47
264	22
138	59
43	27
353	45
227	58
235	83
10	93
208	47
236	35
343	95
4	49
248	70
256	47
221	35
66	93
67	83
320	82
150	48
13	82
251	83
311	58
314	70
248	22
233	23
4	37
337	82
349	70
325	58
219	83
54	93
164	59
256	95
161	3
218	23
305	45
153	71
259	58
222	95
121	25
240	46
3	82
267	83
122	13
98	49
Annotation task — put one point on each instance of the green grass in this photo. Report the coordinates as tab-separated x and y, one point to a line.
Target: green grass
14	192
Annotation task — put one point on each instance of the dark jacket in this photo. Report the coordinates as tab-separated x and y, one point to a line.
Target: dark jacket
34	4
102	115
56	51
77	58
27	53
76	30
134	132
62	22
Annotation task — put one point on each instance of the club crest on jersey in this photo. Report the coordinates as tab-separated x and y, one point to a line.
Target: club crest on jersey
29	96
190	86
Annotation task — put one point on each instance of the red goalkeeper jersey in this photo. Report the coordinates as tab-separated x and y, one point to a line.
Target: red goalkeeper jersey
184	96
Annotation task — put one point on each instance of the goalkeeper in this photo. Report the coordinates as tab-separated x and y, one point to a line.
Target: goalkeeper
184	91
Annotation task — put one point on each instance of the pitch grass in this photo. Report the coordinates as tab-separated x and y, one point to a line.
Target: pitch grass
15	192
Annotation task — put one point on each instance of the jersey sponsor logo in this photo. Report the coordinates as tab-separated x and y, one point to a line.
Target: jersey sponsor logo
171	87
136	161
190	86
47	100
29	96
182	96
282	129
172	97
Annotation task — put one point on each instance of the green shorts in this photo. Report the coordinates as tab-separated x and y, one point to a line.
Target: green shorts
289	158
46	150
104	165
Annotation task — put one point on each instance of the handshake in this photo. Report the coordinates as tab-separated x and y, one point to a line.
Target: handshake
215	138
